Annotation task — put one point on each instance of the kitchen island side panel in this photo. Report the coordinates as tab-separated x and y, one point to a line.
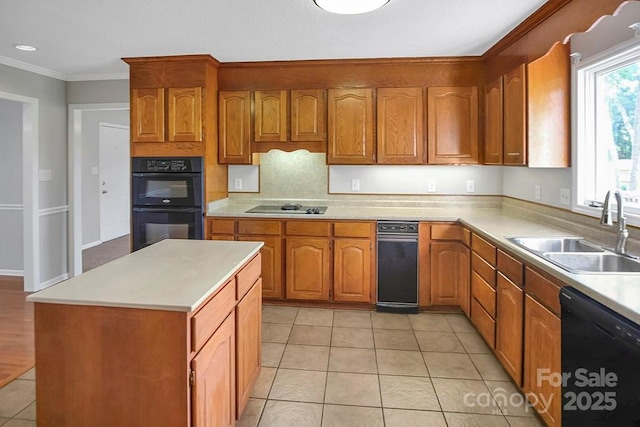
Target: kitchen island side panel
111	366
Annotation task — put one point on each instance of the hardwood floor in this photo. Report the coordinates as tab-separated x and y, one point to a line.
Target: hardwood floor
17	349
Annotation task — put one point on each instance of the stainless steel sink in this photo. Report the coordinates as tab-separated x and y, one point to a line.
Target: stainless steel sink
605	262
577	255
555	244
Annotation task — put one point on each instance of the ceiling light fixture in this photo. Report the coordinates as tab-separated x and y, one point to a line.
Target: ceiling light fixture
350	7
25	47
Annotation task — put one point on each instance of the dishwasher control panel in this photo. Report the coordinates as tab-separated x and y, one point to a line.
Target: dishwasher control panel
397	227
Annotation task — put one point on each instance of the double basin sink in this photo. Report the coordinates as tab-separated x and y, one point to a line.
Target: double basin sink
577	255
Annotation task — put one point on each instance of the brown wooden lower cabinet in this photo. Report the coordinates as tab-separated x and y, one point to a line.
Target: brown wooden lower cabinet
509	327
248	344
541	359
214	388
445	273
308	268
271	264
352	274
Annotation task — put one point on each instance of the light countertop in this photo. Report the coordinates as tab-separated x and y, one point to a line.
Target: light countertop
620	292
176	275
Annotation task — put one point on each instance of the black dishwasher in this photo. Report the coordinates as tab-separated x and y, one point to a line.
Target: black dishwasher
600	364
397	266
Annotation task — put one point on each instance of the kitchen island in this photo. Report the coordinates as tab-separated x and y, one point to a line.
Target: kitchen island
166	336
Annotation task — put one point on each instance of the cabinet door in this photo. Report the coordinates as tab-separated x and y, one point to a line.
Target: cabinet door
307	268
147	115
213	397
400	126
509	321
352	270
308	121
184	115
515	117
271	264
542	354
548	109
248	344
350	126
452	116
493	126
464	280
234	115
444	273
270	118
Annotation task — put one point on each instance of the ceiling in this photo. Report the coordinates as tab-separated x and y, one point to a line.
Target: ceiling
85	39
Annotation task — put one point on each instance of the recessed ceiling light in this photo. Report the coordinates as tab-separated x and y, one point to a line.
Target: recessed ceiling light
350	7
25	47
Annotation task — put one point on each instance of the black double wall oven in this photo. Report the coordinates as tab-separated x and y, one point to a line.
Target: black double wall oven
167	199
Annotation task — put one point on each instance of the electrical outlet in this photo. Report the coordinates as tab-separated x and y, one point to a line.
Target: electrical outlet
537	192
431	186
237	184
355	184
565	196
471	186
94	170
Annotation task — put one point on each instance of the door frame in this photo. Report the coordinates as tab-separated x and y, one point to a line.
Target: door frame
74	150
30	190
116	126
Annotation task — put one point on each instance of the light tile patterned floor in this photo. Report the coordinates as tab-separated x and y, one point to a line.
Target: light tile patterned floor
325	367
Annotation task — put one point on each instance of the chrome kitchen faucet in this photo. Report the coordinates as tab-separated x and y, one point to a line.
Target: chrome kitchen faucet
605	219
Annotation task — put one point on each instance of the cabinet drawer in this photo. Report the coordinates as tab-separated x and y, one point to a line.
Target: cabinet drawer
483	248
352	229
484	293
307	228
545	291
248	276
482	267
210	316
510	267
259	227
483	322
222	226
450	232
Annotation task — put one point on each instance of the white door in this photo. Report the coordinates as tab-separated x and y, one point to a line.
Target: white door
115	202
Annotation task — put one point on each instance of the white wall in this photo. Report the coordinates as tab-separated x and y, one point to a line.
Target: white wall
520	182
11	243
52	155
90	159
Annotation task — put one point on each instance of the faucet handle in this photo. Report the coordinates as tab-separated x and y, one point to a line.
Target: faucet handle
605	219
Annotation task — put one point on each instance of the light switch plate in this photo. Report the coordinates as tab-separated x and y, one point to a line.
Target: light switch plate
431	186
537	192
355	184
45	175
237	184
94	170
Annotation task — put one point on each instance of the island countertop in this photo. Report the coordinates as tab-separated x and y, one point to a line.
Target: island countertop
176	275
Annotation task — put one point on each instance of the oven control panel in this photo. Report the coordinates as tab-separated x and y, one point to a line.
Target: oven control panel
164	164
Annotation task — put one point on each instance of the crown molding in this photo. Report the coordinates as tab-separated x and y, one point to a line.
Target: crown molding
32	68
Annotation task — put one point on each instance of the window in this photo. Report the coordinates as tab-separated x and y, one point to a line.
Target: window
608	130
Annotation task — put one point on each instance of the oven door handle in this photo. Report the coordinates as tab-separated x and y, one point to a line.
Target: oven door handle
167	210
401	239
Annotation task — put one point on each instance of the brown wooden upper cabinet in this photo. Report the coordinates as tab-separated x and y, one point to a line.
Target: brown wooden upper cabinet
549	95
234	115
493	122
183	112
527	113
452	125
308	122
350	126
400	119
270	119
515	117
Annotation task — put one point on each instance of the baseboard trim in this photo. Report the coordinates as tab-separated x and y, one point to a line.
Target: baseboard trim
53	281
92	244
13	273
